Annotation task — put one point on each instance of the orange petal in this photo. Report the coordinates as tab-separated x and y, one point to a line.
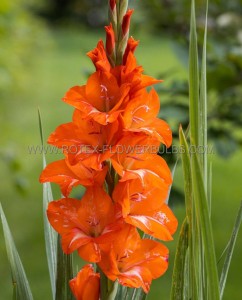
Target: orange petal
149	255
63	216
75	96
90	252
131	46
133	261
141	110
136	199
58	172
99	57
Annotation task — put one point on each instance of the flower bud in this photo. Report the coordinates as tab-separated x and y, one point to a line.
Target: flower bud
110	40
126	22
112	4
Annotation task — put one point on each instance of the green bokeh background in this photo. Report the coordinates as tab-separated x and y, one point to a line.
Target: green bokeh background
39	61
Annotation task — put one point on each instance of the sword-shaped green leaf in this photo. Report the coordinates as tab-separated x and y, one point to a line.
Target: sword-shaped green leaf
193	79
203	107
21	288
230	251
178	280
50	234
202	213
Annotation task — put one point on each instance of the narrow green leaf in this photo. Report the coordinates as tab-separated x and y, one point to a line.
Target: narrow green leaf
191	259
230	251
205	227
209	190
50	234
193	79
21	289
186	165
172	174
203	106
122	292
186	284
64	274
178	280
138	294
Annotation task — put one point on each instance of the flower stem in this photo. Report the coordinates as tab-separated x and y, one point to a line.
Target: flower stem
103	284
113	292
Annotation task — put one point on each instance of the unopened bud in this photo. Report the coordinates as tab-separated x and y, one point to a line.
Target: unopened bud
126	22
112	4
110	39
99	57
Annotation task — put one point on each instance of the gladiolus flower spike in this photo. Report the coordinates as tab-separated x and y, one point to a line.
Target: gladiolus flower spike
110	147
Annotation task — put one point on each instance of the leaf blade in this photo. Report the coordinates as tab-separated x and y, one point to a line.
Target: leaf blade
202	213
193	79
21	288
230	251
203	105
178	280
49	233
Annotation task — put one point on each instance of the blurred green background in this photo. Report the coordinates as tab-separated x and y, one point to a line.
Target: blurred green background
42	54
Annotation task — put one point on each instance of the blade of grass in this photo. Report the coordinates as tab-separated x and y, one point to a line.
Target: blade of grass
186	165
50	234
186	287
177	289
193	79
203	105
202	213
21	288
230	251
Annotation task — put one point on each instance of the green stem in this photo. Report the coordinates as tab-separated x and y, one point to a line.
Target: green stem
113	292
103	284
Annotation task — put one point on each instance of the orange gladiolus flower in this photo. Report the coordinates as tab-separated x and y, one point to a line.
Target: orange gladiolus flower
135	158
84	225
85	141
132	261
100	99
86	285
145	209
141	113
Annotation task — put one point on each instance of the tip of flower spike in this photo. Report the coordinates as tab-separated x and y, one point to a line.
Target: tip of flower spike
126	21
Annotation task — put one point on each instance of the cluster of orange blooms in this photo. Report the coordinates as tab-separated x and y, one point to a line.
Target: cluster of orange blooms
126	183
